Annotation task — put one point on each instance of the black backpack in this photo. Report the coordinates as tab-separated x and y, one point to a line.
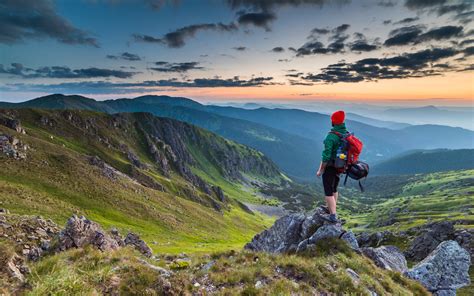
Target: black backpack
357	171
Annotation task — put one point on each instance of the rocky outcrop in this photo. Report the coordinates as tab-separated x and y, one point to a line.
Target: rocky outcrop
432	235
11	123
283	236
297	232
444	270
387	257
80	232
13	147
375	239
465	238
134	240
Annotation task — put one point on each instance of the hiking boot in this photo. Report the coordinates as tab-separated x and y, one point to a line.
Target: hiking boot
325	209
332	218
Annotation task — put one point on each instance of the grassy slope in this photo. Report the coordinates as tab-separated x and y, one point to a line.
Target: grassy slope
57	181
425	198
90	272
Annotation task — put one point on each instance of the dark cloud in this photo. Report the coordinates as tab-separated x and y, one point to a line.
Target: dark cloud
278	49
337	42
271	4
465	17
284	60
240	48
466	42
258	19
320	31
37	19
92	87
362	46
413	35
457	8
18	69
125	56
468	51
418	64
386	3
176	67
404	35
386	22
178	37
421	4
407	20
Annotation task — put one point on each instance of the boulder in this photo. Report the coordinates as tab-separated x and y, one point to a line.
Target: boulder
350	239
326	231
444	270
134	240
281	237
430	238
80	232
387	257
297	232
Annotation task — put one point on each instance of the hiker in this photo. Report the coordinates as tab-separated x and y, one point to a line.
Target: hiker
327	167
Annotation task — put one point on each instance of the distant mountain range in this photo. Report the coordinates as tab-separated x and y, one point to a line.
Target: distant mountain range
426	161
291	138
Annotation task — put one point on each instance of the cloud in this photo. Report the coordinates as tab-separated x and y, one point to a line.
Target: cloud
271	4
18	69
417	64
125	56
413	35
421	4
337	42
404	35
176	67
362	46
240	48
457	8
37	19
105	87
177	38
465	17
278	49
407	20
258	19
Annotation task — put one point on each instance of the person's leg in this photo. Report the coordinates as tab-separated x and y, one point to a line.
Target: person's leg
334	190
328	183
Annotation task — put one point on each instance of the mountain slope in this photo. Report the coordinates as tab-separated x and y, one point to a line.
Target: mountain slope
291	138
426	161
155	176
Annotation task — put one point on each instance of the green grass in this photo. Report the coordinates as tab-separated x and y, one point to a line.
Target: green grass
90	272
427	198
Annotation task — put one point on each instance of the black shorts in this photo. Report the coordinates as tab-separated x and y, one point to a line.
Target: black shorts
330	180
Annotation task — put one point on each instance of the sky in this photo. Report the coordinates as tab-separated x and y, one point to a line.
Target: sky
408	51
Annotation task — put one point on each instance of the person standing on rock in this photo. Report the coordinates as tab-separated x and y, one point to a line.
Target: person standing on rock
327	167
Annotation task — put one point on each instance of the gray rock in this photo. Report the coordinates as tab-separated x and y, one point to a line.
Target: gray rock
431	237
35	254
134	240
350	239
387	257
326	231
282	236
450	292
312	223
80	232
445	269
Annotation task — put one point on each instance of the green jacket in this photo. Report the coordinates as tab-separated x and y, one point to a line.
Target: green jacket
332	142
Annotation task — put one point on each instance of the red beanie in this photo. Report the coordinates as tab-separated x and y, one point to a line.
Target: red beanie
338	117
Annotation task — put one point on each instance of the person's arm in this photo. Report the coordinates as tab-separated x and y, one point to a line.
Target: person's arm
326	155
322	167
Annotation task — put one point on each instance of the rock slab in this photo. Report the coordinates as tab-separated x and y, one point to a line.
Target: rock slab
387	257
444	270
